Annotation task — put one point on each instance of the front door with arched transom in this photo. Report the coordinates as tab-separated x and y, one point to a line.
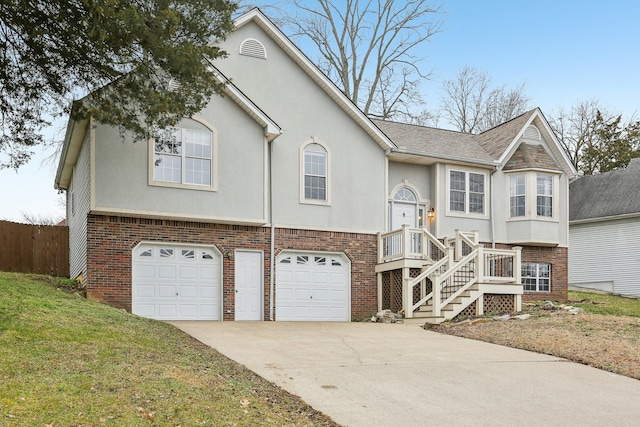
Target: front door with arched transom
404	209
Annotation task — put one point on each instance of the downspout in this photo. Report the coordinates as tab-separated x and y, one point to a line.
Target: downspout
272	261
493	197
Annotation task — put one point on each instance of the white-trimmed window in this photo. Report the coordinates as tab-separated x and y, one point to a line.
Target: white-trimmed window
315	176
536	277
544	199
184	156
466	192
530	196
517	195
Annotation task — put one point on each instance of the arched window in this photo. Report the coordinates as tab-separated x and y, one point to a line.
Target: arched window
315	173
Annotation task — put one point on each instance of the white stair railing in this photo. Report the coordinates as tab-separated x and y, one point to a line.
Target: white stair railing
466	263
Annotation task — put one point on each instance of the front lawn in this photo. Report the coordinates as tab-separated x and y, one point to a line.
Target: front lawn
68	361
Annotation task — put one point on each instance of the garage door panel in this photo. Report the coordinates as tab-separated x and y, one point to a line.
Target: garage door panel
188	272
145	290
146	271
165	291
188	311
173	283
208	310
167	311
166	271
146	310
209	292
188	291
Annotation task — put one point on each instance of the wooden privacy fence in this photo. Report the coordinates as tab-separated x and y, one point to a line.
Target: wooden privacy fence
40	249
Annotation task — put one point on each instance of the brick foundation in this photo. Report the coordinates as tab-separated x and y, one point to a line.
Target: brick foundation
111	240
558	258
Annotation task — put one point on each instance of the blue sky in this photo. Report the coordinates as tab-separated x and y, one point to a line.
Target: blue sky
564	51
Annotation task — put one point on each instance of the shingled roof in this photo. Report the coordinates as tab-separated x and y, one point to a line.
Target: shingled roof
434	142
606	195
496	140
531	156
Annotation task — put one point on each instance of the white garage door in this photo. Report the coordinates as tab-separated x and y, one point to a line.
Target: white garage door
312	287
172	282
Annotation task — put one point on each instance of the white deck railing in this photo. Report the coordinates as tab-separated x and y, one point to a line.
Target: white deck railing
456	265
412	243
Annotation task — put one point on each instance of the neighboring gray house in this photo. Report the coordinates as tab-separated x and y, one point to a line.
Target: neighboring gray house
283	201
604	231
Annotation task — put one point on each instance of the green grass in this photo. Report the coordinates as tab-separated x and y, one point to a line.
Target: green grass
66	361
613	305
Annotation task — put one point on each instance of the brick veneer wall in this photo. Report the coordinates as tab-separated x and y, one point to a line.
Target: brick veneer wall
111	240
558	258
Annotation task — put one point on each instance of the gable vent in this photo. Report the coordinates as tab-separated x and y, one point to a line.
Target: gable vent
253	47
173	85
532	132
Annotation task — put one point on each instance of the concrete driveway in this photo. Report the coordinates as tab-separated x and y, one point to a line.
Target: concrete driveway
366	374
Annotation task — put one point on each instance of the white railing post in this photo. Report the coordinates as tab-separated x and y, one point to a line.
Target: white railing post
407	298
458	244
380	249
406	241
450	255
517	265
480	265
436	295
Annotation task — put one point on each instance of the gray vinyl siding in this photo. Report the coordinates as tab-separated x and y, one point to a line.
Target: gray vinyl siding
606	252
78	206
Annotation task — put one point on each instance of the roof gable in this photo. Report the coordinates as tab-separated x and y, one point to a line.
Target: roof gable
502	140
255	15
609	194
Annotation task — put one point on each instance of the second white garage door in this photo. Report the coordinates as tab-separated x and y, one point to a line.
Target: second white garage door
312	287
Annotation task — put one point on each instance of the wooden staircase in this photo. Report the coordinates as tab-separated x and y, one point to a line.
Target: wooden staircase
454	274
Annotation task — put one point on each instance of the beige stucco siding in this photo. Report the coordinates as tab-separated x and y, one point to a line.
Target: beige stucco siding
305	112
416	177
123	180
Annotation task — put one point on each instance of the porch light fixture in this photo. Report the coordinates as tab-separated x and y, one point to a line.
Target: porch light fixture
431	213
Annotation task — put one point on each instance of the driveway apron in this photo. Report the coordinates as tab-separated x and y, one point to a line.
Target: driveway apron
367	374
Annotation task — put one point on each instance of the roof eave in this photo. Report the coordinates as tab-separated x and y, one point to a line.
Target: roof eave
441	157
605	218
73	139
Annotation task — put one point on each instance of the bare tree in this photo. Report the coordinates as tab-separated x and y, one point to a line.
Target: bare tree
369	48
39	219
595	139
575	129
471	105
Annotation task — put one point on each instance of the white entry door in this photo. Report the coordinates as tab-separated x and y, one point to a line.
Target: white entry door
403	213
248	285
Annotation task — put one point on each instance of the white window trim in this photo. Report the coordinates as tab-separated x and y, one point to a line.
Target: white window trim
537	276
531	196
466	213
214	162
303	200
